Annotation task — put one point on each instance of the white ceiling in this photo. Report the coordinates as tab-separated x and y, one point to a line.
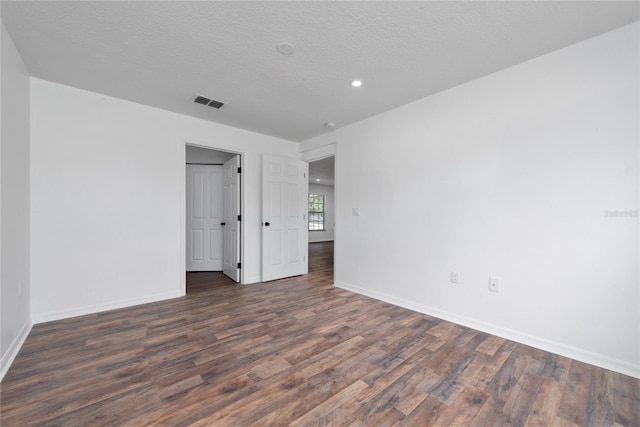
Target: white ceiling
322	170
163	53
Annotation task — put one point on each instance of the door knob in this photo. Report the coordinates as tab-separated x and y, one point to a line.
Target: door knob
223	224
266	224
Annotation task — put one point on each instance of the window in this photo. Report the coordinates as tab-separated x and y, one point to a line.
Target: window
316	212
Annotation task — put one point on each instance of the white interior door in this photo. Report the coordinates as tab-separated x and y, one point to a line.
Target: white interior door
204	215
285	188
231	219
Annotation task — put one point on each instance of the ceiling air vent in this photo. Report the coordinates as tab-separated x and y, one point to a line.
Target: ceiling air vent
199	99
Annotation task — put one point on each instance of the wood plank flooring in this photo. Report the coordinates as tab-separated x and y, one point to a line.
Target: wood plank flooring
296	352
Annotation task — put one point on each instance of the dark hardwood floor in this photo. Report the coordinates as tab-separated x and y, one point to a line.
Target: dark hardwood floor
296	352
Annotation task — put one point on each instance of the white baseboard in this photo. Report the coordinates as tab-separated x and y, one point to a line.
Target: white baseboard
14	348
561	349
96	308
251	280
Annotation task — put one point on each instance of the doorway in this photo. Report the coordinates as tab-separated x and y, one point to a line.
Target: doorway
213	212
322	213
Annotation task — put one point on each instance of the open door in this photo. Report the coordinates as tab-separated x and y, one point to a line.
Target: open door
285	188
231	219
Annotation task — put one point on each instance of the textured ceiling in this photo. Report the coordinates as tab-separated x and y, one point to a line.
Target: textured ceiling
163	53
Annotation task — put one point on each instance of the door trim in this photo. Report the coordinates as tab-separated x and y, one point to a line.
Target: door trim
182	208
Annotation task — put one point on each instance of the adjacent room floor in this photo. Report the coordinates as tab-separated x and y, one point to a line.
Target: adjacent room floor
296	351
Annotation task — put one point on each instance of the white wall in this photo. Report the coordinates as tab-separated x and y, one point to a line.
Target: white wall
14	196
327	234
510	175
107	191
317	148
206	155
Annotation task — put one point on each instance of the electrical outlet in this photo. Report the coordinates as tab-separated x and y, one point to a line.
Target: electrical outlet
494	284
455	277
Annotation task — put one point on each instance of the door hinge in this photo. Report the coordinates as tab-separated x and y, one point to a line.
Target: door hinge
239	217
239	170
239	265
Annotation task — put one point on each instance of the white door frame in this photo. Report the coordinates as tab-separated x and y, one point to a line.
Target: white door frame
182	208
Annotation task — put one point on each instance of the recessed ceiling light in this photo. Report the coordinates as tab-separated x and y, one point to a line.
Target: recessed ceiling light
317	179
356	83
330	125
285	48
